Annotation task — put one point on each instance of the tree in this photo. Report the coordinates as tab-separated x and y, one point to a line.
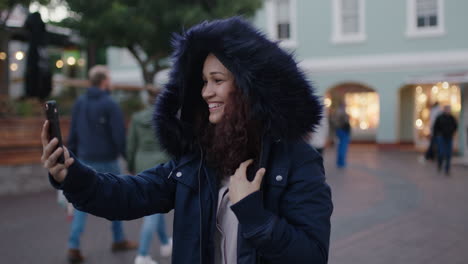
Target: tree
145	27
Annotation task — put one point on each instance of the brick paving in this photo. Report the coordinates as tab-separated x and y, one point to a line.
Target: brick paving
389	208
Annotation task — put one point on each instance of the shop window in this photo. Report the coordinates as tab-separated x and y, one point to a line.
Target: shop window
426	95
363	110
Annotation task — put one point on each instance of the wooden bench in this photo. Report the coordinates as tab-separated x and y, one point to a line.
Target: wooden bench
20	139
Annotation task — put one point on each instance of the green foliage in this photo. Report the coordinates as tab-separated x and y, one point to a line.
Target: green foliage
8	5
145	27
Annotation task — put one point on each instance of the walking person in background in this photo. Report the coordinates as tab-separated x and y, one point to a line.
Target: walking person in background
319	138
343	133
143	152
444	128
244	185
432	149
97	136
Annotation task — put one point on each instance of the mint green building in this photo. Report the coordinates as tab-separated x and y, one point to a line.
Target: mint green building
389	61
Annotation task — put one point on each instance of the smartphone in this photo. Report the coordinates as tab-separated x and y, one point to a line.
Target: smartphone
54	125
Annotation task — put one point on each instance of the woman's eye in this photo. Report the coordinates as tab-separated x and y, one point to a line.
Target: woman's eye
218	81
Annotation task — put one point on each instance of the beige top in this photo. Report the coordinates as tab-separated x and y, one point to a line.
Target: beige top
226	229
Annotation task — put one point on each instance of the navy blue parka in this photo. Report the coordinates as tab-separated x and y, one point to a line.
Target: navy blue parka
288	219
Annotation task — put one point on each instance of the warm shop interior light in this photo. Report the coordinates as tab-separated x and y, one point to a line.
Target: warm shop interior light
3	55
419	123
328	102
363	125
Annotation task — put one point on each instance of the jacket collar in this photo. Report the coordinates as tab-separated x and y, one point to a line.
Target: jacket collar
273	159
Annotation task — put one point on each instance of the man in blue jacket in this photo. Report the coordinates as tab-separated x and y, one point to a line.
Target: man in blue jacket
97	136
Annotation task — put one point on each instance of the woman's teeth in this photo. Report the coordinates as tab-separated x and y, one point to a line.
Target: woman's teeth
214	105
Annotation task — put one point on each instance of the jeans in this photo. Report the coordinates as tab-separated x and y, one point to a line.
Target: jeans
444	146
152	223
79	218
342	148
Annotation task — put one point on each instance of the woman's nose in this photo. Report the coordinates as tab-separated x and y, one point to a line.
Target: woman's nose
208	91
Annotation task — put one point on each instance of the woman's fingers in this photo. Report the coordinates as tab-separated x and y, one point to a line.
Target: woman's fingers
45	134
259	177
68	159
51	161
48	149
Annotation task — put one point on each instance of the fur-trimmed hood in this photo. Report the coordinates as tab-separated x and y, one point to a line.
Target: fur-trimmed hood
279	94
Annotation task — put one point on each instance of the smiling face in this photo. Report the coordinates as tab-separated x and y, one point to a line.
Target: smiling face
218	86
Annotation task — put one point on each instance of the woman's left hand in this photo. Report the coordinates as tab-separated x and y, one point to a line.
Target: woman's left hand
239	186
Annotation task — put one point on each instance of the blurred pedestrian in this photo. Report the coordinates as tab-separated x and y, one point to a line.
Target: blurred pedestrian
319	137
244	185
343	133
435	111
143	152
97	136
444	128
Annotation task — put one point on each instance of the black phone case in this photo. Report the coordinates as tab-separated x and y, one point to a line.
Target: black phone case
54	125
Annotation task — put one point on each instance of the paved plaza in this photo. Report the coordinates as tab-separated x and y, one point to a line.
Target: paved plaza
389	209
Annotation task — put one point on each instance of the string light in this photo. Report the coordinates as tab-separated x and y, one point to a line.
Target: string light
19	55
59	64
13	67
71	61
3	55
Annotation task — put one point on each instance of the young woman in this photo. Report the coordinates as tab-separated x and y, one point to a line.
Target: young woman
244	185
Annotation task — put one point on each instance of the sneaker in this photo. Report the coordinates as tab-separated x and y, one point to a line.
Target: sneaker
166	250
74	256
144	260
124	245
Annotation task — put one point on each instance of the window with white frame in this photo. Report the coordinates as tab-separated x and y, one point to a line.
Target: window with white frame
283	20
281	17
348	21
425	18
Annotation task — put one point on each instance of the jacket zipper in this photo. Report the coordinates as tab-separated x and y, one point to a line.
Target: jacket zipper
200	205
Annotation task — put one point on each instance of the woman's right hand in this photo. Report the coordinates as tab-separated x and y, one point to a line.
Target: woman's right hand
49	156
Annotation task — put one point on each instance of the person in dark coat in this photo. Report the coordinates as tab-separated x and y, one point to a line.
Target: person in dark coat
445	127
244	185
97	136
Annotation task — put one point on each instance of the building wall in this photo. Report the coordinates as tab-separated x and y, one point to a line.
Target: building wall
384	61
385	28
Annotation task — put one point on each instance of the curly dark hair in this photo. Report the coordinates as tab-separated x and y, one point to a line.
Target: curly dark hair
232	141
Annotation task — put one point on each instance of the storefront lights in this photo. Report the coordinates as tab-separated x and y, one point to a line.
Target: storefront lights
19	55
81	62
419	123
445	85
363	125
59	64
327	102
13	67
71	61
3	55
419	89
435	89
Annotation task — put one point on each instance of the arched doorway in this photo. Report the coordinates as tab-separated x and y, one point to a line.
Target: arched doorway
416	101
362	106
